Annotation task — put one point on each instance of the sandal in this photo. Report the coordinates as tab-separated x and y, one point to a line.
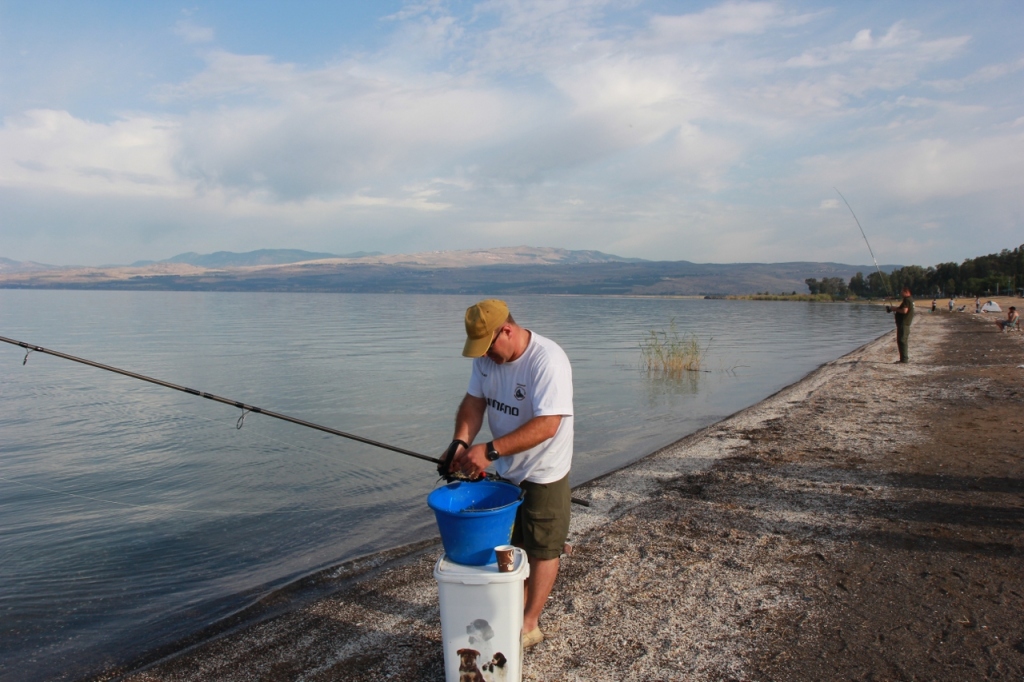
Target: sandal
532	638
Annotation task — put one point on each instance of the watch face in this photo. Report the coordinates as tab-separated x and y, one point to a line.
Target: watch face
492	454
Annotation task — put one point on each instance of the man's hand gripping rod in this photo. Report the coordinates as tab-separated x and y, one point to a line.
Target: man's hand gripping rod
445	472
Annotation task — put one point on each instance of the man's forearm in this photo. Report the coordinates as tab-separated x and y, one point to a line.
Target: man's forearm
469	418
530	434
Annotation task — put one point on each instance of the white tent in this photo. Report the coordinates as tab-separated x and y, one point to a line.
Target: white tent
991	307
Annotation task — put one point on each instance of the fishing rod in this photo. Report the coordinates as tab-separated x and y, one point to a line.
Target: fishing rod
884	279
246	409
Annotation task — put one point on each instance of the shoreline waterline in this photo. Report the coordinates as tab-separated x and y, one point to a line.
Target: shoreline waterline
109	480
834	530
352	573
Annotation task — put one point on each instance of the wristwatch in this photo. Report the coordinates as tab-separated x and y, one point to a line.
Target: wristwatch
492	454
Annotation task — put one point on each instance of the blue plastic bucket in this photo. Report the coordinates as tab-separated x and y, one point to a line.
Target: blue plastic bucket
474	518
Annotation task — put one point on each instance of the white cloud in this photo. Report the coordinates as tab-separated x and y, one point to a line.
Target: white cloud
825	80
53	149
711	134
986	74
228	74
313	140
897	37
726	20
191	33
929	169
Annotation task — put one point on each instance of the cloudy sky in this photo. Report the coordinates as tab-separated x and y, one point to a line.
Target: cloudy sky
701	131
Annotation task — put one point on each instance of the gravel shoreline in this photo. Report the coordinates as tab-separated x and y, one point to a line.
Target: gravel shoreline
863	523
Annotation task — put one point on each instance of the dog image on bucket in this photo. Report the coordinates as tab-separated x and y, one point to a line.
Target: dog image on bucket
480	632
469	671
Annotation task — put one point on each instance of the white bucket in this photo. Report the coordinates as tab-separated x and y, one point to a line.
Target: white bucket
482	619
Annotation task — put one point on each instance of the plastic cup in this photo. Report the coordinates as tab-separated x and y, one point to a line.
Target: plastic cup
506	558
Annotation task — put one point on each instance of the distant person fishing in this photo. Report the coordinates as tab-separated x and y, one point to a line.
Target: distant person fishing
905	311
904	315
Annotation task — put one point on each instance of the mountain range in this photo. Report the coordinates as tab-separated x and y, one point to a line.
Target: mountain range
498	271
229	259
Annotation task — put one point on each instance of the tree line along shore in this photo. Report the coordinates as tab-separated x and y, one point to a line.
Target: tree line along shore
992	275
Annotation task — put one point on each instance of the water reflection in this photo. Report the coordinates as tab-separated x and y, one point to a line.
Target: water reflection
662	386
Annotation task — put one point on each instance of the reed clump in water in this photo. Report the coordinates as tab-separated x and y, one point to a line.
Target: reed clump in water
670	354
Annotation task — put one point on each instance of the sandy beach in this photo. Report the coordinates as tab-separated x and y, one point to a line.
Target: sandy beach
864	523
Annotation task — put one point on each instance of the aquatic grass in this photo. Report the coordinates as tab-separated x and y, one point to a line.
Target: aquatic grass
670	354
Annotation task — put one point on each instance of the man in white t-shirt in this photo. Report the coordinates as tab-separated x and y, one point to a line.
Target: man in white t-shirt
523	383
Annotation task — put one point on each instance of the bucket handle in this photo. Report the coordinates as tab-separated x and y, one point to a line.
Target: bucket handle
522	496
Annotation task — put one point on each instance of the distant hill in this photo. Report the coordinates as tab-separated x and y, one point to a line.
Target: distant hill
229	259
508	255
499	271
10	266
505	255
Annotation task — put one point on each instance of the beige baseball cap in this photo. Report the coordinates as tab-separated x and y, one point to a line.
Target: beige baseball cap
482	319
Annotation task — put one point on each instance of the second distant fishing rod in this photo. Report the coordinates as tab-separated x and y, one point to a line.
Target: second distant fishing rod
885	280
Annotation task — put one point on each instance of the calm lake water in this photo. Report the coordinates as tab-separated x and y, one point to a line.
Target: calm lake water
132	515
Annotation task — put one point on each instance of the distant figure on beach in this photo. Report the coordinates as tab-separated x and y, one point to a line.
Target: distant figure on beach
977	306
935	303
904	316
1012	320
952	303
523	383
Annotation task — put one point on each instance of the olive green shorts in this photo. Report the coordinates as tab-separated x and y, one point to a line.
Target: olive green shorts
542	520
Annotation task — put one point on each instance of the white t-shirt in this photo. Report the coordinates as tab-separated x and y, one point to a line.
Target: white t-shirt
538	383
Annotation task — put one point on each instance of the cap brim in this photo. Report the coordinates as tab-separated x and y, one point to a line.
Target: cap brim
476	348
